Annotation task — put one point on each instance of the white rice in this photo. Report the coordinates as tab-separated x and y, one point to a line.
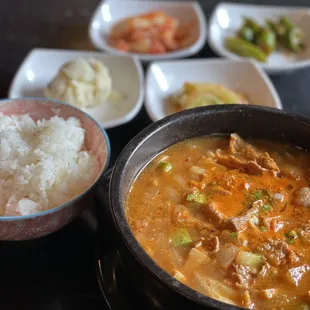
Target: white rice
42	164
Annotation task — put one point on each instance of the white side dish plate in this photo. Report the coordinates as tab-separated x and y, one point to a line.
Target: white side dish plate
227	19
42	65
109	12
166	78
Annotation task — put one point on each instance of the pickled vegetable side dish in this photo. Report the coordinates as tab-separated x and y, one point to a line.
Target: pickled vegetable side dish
229	218
258	42
195	95
151	33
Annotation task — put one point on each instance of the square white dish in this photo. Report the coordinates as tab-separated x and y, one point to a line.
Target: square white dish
227	18
41	65
110	12
167	77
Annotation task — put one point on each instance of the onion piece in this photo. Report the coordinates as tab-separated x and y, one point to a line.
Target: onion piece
196	258
151	193
227	254
173	195
210	154
180	180
161	158
254	221
258	203
217	289
197	170
278	196
179	276
268	293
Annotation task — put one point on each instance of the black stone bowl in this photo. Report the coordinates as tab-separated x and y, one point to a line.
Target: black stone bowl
249	121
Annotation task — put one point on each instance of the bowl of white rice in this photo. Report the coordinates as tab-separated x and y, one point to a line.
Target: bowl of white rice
52	155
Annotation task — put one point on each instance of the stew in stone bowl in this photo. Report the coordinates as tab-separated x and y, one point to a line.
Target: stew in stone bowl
229	218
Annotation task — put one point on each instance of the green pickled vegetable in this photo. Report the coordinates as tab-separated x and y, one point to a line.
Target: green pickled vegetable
234	234
165	166
245	49
285	22
266	207
279	29
259	194
294	39
196	196
247	34
266	41
292	234
251	23
180	237
291	36
271	25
